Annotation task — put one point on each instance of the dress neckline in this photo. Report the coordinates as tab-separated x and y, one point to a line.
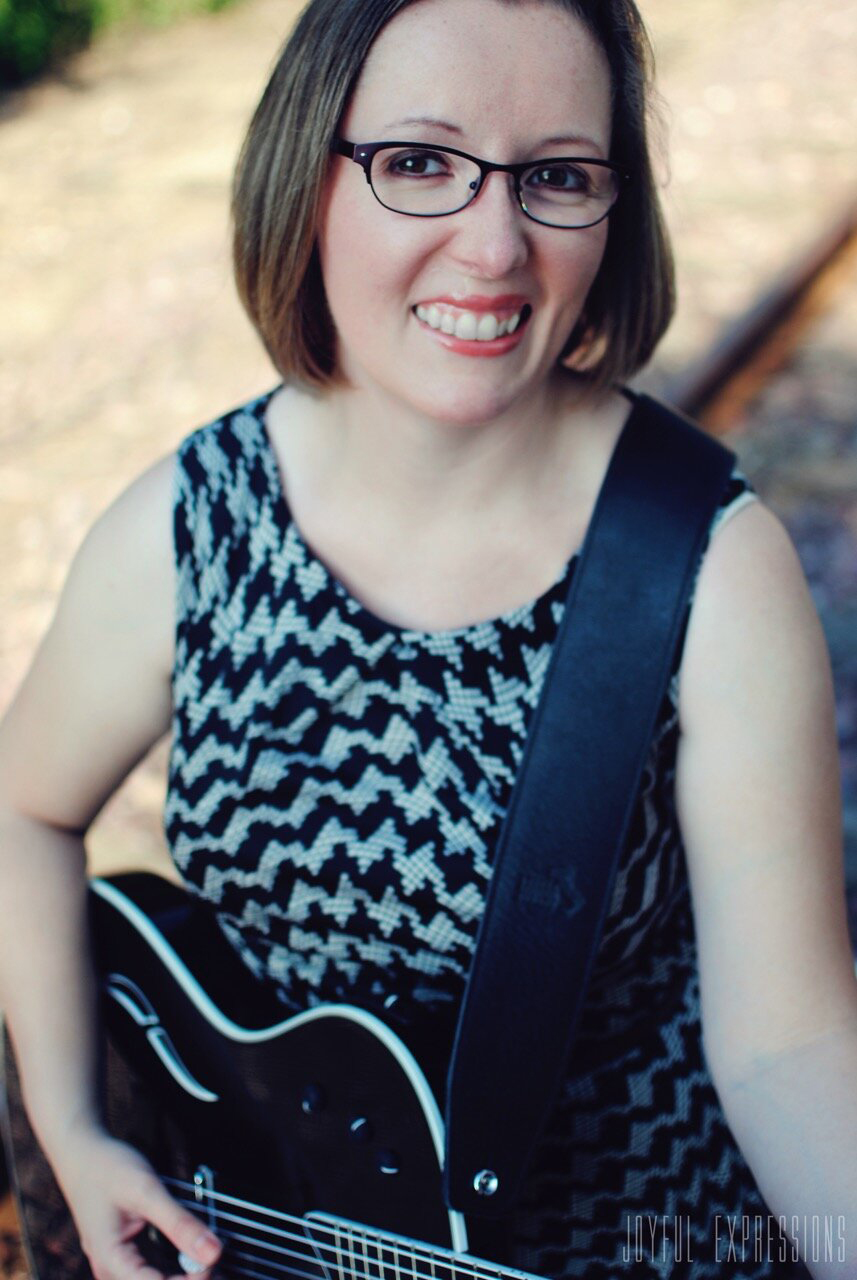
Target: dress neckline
481	630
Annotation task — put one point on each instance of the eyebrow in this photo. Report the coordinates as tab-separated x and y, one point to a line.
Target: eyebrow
571	140
429	120
574	140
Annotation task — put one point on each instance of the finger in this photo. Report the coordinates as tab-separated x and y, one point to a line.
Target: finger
185	1232
119	1259
131	1226
127	1263
133	1265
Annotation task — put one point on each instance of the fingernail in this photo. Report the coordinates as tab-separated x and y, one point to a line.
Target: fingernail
190	1265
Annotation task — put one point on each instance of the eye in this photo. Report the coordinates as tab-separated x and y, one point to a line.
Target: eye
415	164
560	177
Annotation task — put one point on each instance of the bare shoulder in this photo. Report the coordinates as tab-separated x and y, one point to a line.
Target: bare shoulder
97	694
129	551
753	625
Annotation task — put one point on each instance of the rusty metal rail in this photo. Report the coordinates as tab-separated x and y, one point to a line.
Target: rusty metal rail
757	343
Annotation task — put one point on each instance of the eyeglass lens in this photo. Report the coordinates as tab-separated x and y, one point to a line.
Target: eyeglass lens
428	181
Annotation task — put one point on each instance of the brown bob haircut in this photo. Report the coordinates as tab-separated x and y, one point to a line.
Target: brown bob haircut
284	163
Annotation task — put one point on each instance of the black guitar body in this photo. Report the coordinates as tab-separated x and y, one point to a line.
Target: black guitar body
324	1118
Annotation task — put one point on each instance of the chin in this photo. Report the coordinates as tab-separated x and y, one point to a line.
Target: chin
466	405
468	412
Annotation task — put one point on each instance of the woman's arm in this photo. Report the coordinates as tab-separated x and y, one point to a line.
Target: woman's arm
758	797
95	699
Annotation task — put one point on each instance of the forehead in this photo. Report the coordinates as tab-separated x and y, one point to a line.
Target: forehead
503	73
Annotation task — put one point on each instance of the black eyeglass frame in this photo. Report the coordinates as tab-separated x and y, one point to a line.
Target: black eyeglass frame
363	153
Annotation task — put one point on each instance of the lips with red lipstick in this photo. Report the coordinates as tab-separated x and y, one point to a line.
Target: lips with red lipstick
475	319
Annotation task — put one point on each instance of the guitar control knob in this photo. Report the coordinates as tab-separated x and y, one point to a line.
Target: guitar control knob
312	1099
388	1162
360	1130
486	1182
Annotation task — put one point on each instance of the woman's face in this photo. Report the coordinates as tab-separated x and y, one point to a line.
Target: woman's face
507	83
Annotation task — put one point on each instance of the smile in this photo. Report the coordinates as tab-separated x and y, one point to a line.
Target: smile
471	326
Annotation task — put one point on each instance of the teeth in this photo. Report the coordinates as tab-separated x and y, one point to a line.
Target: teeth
466	325
487	328
481	327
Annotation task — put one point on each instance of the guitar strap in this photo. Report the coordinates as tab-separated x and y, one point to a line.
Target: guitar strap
573	797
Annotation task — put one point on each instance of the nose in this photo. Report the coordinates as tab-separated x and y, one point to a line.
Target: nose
491	234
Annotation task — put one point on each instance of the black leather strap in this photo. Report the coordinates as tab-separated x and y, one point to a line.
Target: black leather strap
573	798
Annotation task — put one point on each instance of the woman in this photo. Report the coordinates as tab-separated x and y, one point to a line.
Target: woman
371	566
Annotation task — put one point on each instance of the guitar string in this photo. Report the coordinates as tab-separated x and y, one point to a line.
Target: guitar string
308	1224
377	1262
452	1261
227	1235
227	1271
374	1269
228	1266
376	1272
279	1267
421	1252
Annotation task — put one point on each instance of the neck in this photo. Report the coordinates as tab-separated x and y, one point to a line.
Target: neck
416	469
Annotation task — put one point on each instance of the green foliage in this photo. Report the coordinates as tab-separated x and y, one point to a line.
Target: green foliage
157	12
36	34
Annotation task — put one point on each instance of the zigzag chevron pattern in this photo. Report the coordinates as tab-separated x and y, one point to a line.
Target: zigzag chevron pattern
336	789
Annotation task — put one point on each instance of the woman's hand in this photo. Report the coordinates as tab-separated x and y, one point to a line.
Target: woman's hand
113	1194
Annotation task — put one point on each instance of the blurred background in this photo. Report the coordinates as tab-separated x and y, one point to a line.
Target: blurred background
120	331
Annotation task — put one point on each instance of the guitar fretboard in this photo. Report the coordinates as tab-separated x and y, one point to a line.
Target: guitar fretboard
265	1244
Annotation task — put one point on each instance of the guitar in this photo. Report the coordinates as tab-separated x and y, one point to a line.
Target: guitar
311	1144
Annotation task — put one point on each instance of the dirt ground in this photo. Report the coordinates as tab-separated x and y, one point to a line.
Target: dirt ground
120	331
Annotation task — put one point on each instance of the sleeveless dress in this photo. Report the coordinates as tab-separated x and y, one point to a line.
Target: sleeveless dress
336	788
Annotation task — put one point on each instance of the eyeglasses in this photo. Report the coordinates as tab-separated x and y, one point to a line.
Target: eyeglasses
432	182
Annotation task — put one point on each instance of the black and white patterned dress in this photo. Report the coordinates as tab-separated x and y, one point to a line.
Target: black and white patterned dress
336	788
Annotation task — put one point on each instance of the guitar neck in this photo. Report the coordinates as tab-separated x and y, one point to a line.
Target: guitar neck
265	1244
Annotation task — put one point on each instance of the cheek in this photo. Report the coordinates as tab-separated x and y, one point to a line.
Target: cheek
369	257
580	264
343	248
